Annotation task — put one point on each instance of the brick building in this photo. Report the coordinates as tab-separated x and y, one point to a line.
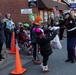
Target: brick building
14	7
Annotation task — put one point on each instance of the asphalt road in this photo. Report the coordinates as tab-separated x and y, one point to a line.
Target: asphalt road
56	63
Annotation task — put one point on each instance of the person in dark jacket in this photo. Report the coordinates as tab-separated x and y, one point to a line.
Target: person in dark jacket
71	37
61	30
36	24
2	39
45	47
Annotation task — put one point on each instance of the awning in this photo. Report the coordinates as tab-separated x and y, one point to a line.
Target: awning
50	4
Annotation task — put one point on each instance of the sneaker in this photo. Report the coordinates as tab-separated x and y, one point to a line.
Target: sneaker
48	70
45	69
37	62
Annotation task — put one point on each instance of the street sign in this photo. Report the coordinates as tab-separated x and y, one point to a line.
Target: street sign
26	11
72	5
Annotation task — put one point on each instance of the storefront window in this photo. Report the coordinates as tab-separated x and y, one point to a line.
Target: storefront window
45	16
52	15
41	14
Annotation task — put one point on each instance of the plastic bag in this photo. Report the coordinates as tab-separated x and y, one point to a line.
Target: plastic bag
55	43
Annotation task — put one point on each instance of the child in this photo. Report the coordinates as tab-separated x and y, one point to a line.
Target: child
24	39
45	48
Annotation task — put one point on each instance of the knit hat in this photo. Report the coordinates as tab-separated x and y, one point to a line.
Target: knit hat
38	18
38	31
26	25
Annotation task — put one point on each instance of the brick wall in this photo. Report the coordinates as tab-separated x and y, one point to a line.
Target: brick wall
14	8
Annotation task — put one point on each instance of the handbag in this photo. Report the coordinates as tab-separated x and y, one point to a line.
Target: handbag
55	43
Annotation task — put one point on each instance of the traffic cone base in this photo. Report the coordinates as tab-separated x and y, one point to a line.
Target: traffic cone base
15	72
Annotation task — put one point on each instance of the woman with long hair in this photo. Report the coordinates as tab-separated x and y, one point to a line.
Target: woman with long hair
9	28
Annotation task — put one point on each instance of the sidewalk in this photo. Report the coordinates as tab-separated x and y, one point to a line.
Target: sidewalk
9	60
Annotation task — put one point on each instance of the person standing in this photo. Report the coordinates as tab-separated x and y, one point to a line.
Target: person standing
71	37
36	24
9	28
2	37
61	30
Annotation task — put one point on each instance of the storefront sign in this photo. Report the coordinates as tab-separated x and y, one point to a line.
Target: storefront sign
26	11
73	5
32	3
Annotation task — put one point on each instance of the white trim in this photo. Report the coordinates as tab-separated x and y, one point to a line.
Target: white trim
72	29
66	2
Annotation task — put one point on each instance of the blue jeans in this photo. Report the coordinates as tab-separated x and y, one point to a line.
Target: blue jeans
71	43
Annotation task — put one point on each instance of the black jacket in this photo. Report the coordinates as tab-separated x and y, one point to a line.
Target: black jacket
69	26
2	37
44	43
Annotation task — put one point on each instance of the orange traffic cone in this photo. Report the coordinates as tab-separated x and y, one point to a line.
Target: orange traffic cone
13	46
19	69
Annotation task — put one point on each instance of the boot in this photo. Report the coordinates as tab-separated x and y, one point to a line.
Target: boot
73	61
45	69
1	57
37	62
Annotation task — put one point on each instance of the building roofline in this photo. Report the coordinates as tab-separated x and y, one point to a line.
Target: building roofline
50	4
66	2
